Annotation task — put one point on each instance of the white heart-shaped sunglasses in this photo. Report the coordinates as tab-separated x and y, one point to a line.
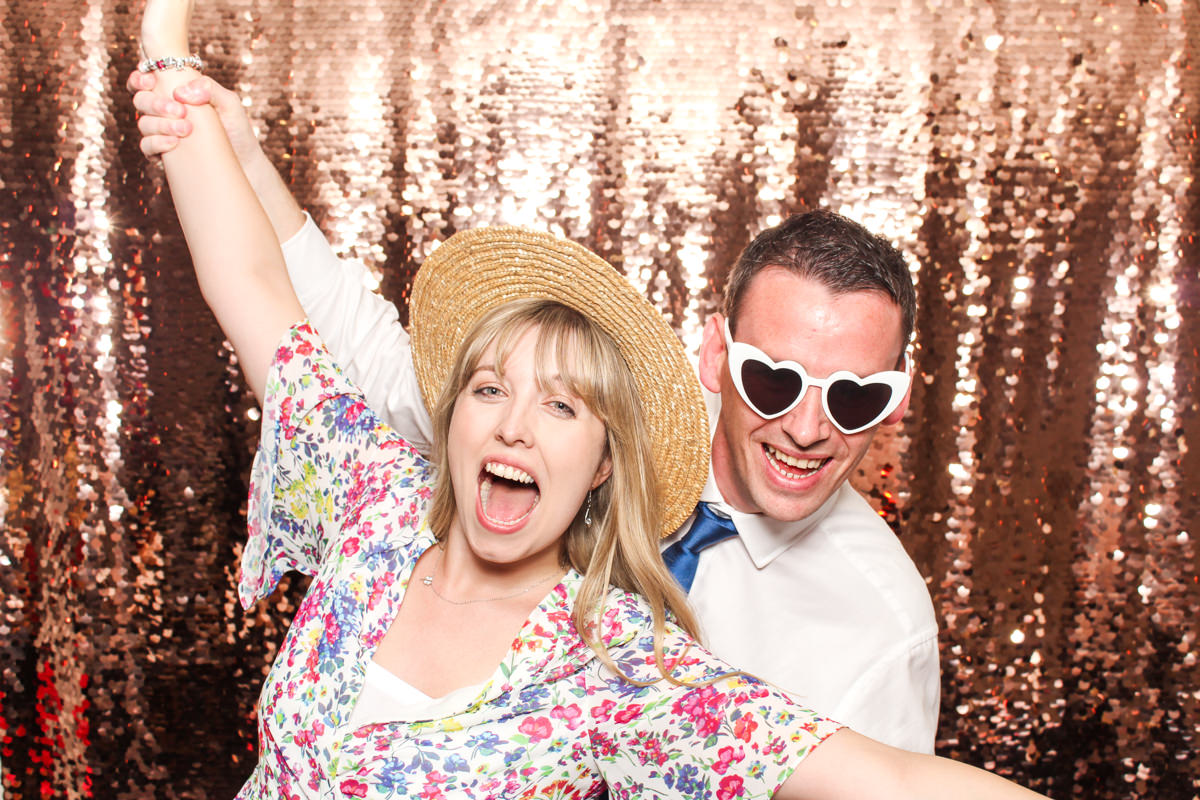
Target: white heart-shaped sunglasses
773	388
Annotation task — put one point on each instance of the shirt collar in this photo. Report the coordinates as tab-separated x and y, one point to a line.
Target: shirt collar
764	538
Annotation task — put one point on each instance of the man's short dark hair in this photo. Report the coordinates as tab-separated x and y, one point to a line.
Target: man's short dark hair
837	252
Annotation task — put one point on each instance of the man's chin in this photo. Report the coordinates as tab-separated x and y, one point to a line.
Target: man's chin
794	505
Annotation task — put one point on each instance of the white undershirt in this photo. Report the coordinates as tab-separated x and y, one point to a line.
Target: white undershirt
387	697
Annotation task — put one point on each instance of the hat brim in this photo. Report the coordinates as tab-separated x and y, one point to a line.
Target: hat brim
474	271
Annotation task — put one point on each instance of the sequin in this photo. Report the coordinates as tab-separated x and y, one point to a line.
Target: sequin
1036	160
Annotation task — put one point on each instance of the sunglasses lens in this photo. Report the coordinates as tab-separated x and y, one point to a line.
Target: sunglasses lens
853	406
769	390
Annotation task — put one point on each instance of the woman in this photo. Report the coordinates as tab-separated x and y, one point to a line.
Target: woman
534	654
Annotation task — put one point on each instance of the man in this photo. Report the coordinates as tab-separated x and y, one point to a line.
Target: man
815	593
800	582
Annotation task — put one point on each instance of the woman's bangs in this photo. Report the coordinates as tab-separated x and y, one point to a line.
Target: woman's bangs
572	355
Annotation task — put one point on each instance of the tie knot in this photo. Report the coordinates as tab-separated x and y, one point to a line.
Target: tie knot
708	529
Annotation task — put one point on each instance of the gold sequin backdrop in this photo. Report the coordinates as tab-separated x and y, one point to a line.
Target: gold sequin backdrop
1035	159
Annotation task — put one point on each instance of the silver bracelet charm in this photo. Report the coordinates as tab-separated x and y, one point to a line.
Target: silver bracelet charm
171	62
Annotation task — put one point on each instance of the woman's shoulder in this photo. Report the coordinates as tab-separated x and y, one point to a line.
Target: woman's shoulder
627	617
329	480
305	379
628	631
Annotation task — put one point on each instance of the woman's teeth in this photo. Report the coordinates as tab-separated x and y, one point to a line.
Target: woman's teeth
507	494
508	472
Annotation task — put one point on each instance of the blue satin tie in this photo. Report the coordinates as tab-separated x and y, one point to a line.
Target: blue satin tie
683	556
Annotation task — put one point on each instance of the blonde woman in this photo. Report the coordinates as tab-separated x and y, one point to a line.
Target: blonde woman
496	623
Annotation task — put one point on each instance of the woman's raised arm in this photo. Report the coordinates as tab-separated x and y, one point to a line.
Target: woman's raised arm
234	249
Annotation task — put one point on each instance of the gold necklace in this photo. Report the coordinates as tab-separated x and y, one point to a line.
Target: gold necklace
428	581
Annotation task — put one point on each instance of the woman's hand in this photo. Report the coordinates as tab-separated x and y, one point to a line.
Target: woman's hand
165	26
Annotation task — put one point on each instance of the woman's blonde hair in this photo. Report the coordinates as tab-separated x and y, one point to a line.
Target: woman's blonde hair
620	547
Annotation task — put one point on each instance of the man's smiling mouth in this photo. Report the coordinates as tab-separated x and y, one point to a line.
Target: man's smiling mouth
792	467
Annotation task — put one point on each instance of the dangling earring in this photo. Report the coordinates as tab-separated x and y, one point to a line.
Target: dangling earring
587	510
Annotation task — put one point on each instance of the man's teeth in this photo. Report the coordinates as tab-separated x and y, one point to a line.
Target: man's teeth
808	465
508	472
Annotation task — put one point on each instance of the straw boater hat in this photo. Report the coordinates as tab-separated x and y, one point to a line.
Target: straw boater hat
477	270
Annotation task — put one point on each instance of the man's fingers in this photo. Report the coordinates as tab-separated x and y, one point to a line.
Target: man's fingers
141	85
223	98
197	92
153	105
157	145
139	81
150	125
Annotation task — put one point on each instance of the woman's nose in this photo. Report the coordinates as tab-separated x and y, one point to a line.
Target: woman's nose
514	427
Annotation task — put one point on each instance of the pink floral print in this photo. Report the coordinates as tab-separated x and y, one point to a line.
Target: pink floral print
338	496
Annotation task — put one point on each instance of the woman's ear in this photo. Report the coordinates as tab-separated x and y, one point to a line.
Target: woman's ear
712	353
603	472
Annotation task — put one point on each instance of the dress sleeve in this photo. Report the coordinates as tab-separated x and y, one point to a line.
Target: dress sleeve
361	329
735	737
322	454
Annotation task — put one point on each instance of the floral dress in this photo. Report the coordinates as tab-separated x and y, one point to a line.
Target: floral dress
339	496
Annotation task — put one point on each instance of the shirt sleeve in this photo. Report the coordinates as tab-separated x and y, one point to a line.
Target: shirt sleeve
361	329
897	701
322	455
733	737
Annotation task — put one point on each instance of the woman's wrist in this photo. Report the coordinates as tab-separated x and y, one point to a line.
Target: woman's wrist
156	47
171	62
164	29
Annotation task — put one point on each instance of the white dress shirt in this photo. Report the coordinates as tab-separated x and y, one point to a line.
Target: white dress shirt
831	608
361	329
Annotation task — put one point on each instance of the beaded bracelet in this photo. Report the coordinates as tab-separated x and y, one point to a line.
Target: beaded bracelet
155	64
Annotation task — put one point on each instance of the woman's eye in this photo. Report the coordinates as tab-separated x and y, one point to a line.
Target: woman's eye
562	408
487	391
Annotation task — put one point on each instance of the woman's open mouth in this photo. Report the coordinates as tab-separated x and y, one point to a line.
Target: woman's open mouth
507	494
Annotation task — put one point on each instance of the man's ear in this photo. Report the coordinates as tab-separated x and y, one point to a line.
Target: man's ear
712	353
897	415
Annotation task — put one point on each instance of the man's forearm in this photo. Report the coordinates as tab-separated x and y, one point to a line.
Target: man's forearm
282	209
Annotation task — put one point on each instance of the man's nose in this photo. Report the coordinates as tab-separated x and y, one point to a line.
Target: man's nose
806	424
